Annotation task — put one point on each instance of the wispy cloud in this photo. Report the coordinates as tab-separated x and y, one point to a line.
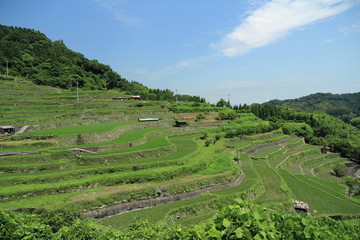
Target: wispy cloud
116	8
188	63
354	28
181	65
140	71
256	3
274	20
242	84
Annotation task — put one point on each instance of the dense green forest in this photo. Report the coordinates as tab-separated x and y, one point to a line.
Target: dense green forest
343	106
30	54
318	128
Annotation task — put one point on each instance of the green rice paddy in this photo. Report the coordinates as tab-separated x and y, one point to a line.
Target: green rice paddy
121	159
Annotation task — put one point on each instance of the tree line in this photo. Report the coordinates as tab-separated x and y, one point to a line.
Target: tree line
343	106
319	128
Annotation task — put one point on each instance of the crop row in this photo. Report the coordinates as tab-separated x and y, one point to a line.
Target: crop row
316	196
203	207
52	176
319	160
272	183
249	143
44	161
308	150
140	175
111	179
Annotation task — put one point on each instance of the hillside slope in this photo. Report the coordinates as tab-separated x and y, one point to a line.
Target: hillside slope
97	157
30	54
343	106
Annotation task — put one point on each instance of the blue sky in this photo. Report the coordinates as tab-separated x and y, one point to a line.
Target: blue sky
246	50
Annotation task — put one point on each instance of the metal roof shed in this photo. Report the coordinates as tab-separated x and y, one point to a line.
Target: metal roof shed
7	129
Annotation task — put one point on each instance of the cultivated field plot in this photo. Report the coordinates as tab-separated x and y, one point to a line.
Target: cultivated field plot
94	154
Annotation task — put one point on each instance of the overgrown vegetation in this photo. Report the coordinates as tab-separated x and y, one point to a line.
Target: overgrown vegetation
237	221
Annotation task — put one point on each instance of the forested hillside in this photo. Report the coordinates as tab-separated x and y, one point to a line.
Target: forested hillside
317	128
343	106
30	54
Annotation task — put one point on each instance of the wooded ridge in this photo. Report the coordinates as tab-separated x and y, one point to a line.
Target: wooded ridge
30	54
343	106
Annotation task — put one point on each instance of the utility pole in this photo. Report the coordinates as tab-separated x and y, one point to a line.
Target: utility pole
176	97
7	67
77	91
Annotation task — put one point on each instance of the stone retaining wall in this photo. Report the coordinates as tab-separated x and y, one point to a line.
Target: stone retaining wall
265	145
125	207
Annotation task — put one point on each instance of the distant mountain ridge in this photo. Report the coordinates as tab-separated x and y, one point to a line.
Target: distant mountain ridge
30	54
344	106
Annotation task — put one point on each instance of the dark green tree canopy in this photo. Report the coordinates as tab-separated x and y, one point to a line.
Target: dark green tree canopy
223	103
343	106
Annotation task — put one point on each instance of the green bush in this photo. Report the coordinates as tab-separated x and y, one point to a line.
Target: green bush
339	170
238	221
247	221
199	117
207	143
227	114
299	129
204	136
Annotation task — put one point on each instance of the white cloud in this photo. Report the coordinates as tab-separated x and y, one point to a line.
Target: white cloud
354	28
256	3
116	8
276	19
243	84
190	62
179	66
140	71
328	41
133	21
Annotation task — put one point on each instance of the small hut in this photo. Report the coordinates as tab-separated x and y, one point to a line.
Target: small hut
121	98
136	97
301	207
181	123
7	129
326	149
148	119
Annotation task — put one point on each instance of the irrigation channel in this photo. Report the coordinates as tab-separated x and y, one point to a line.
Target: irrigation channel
136	205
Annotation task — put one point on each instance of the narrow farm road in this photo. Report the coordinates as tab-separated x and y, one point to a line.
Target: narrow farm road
23	129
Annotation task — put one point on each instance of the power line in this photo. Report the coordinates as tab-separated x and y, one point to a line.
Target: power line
7	67
176	97
187	91
77	91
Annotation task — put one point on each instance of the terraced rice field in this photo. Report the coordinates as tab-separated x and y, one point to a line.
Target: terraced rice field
94	153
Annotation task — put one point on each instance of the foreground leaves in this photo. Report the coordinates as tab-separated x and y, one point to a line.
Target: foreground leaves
238	221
